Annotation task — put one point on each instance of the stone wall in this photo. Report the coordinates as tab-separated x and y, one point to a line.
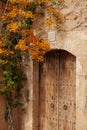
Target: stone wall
73	38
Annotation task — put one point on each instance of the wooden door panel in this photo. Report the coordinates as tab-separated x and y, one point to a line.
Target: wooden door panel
67	91
49	92
57	92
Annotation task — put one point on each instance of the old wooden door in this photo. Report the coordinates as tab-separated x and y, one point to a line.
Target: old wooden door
57	99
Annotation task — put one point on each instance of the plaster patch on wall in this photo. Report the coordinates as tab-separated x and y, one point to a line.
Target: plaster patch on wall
28	125
77	82
78	67
85	93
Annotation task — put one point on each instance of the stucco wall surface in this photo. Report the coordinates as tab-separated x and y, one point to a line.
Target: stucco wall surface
73	38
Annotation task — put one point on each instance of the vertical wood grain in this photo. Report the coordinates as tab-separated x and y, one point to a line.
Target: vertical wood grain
57	92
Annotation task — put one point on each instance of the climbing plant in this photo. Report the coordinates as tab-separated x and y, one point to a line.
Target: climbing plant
18	40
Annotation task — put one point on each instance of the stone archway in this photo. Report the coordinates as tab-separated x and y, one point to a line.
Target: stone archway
57	92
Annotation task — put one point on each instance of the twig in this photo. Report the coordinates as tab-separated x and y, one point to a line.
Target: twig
10	118
3	14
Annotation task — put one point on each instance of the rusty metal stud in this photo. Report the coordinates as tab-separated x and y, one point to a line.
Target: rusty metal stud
47	84
50	118
52	105
70	103
70	122
74	123
52	97
65	107
56	102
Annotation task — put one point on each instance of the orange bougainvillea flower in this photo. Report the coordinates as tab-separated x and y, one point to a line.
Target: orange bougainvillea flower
22	42
1	51
5	17
18	1
13	26
22	45
47	1
52	10
25	32
4	62
12	1
13	13
61	1
44	45
51	21
48	22
10	52
24	14
1	44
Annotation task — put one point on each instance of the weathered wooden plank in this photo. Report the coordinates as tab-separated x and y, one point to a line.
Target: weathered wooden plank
67	91
57	92
49	92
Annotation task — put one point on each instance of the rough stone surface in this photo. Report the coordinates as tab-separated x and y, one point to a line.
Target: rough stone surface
73	39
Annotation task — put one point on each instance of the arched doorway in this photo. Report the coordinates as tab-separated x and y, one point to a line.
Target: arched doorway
57	91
